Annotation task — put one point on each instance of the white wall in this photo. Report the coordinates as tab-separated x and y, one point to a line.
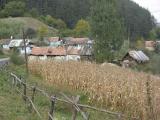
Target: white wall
57	58
28	50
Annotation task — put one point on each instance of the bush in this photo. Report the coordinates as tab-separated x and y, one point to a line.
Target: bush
16	58
66	33
31	33
42	32
56	23
152	66
82	28
34	13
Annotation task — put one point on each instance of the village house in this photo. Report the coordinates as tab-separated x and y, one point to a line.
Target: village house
86	52
64	49
150	45
73	53
4	43
19	45
55	41
133	58
43	53
76	42
61	53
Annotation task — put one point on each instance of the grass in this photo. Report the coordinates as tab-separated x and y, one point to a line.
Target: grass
3	56
108	86
12	106
28	22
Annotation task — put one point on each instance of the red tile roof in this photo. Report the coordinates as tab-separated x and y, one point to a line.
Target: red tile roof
49	51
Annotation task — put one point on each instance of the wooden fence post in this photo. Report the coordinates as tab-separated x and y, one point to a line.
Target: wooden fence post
51	113
24	92
19	83
120	117
74	114
32	98
13	82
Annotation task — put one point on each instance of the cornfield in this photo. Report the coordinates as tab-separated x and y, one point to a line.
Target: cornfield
133	93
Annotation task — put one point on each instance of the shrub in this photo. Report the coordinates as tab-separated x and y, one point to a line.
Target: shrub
16	58
82	29
56	23
42	32
31	33
66	33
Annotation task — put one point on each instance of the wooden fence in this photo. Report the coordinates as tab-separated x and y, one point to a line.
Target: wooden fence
73	102
4	63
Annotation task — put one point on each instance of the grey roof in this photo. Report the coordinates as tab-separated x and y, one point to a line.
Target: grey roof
139	56
87	50
17	43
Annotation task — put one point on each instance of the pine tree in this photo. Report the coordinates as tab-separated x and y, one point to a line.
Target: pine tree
106	29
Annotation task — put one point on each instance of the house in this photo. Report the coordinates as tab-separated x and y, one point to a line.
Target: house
133	58
150	45
75	42
43	53
73	53
19	45
55	41
157	43
60	53
68	49
86	52
4	43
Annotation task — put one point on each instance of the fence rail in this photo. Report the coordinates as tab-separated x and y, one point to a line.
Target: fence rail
74	101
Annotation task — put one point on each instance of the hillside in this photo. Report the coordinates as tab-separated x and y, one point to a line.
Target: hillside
13	26
27	22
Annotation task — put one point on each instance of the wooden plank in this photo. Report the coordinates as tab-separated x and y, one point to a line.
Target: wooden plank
51	113
74	114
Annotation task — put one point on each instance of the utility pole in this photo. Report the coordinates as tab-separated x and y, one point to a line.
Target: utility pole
26	57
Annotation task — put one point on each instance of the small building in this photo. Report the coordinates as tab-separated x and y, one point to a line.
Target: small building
76	42
43	53
56	53
73	53
55	41
4	43
133	58
19	45
150	45
87	52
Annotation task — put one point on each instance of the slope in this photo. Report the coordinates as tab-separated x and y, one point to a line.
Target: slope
27	22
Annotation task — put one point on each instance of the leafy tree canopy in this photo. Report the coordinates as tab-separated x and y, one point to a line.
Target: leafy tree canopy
106	28
82	28
14	9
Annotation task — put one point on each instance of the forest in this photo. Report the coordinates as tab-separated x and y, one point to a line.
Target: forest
137	20
115	25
